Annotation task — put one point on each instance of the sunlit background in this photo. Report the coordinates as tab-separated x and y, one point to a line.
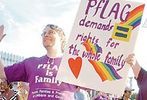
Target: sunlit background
25	19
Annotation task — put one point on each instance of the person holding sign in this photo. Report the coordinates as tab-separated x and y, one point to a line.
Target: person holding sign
140	75
40	72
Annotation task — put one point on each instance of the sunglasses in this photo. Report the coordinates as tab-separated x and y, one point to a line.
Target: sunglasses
128	91
52	26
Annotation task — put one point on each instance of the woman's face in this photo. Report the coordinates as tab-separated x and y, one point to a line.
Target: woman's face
128	94
50	38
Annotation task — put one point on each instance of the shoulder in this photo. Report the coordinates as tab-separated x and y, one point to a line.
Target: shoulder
32	59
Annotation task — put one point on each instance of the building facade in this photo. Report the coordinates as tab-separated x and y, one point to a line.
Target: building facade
9	58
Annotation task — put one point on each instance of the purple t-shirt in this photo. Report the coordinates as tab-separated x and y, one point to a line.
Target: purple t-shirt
142	84
40	73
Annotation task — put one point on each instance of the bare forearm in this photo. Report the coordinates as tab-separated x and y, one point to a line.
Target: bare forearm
132	61
2	73
2	35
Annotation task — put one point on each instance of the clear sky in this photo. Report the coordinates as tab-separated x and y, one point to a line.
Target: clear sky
25	19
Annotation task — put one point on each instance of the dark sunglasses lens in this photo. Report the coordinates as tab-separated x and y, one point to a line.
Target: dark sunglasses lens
53	26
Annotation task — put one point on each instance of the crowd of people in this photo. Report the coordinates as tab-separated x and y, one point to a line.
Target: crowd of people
20	90
35	70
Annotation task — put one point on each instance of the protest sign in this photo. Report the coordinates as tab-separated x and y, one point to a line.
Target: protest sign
103	35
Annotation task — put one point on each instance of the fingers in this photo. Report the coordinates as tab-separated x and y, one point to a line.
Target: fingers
2	36
1	29
131	59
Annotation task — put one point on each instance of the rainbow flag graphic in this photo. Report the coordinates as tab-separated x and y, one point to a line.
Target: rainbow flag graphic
122	30
134	17
105	71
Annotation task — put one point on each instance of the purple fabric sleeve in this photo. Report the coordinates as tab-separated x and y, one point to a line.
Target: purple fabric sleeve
40	73
142	84
16	72
140	76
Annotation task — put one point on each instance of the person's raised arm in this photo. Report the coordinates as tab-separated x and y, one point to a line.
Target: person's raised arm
2	35
132	61
2	73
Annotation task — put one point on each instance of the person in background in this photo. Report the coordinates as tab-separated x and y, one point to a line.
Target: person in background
140	76
7	93
127	94
40	72
81	94
22	90
101	96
